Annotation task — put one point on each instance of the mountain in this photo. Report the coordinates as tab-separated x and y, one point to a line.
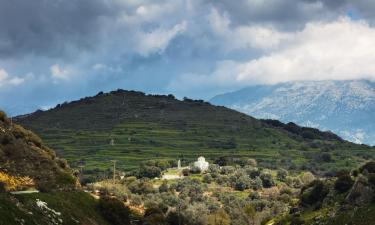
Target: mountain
344	107
132	127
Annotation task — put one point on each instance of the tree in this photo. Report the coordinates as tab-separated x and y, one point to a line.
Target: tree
242	183
149	171
220	217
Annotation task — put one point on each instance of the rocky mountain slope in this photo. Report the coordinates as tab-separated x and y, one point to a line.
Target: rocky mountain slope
344	107
132	127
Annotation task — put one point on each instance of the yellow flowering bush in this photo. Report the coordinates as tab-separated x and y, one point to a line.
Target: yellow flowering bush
12	183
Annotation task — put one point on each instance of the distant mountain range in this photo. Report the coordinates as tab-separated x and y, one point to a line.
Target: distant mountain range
345	107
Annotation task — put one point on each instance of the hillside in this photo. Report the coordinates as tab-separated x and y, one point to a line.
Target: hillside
344	107
26	164
132	127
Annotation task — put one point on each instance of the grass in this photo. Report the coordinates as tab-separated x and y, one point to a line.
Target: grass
73	206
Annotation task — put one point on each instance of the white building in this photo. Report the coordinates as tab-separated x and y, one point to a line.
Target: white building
201	164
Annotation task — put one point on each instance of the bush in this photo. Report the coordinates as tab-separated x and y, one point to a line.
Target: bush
114	211
207	178
282	174
185	172
242	183
164	187
267	180
154	216
326	157
313	193
3	116
369	167
256	183
343	183
195	170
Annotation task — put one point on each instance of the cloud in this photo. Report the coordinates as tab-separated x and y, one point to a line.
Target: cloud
5	79
157	40
59	73
339	50
189	47
244	37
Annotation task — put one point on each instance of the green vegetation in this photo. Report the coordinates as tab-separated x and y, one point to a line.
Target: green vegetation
344	200
131	127
49	208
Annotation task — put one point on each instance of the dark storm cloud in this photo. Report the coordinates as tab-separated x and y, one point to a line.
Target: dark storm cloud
292	14
49	27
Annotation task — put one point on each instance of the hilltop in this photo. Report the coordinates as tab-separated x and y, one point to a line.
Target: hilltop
132	127
344	107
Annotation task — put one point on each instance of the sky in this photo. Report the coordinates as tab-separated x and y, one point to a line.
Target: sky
53	51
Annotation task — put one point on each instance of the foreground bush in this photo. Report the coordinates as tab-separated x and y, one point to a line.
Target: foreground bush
343	183
114	211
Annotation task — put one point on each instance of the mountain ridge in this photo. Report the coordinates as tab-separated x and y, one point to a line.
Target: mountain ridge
344	107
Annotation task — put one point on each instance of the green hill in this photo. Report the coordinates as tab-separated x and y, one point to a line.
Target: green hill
131	127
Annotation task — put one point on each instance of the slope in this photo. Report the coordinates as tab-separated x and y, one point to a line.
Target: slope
25	162
131	127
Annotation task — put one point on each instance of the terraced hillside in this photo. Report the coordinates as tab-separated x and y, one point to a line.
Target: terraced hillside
131	127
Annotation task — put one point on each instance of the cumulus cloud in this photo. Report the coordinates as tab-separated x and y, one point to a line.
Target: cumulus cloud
6	79
339	50
59	73
244	37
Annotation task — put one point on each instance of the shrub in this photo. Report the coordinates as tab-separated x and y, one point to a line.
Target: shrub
114	211
369	167
326	157
267	180
343	183
164	187
154	216
242	183
307	177
256	183
282	174
371	179
3	116
313	193
195	170
207	178
185	172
